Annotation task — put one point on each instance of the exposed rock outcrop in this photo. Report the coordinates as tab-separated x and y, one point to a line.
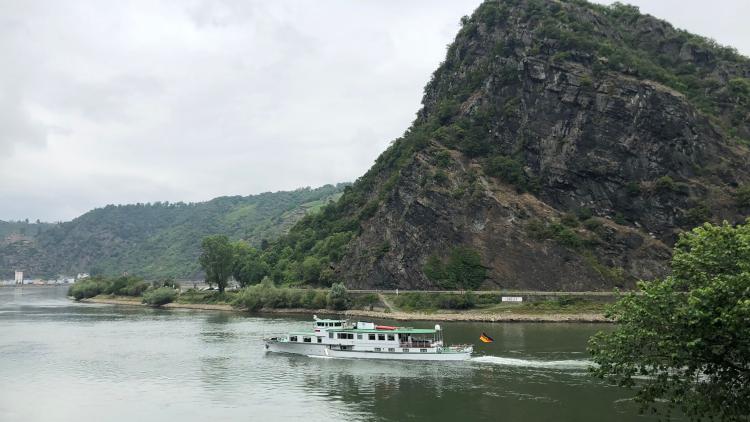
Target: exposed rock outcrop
605	152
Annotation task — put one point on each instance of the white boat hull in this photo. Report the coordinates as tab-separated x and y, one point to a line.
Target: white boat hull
315	349
308	349
399	356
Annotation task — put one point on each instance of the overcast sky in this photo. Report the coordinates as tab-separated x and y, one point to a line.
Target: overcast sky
141	101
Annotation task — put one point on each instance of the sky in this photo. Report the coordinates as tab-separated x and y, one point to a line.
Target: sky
187	100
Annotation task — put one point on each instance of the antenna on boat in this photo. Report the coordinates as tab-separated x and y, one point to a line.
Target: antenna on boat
315	317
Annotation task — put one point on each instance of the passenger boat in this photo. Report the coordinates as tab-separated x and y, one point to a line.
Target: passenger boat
337	338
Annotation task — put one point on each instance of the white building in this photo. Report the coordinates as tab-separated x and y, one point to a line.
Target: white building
19	277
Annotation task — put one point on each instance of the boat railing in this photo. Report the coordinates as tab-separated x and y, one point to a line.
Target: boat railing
458	347
416	344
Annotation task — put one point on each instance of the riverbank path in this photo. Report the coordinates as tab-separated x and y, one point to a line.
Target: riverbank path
386	302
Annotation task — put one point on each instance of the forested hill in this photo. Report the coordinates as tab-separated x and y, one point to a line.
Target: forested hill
154	240
561	145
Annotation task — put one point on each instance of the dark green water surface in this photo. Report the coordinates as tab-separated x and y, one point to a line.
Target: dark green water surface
63	361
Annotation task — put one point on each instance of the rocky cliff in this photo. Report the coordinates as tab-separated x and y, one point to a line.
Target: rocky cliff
561	146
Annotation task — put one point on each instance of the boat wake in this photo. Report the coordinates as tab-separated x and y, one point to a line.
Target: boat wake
529	363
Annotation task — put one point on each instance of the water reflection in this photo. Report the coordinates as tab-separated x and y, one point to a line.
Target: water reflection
143	364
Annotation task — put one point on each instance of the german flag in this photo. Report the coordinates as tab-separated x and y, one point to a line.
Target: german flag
485	338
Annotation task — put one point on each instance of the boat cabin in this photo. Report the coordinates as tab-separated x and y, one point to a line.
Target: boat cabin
339	338
329	324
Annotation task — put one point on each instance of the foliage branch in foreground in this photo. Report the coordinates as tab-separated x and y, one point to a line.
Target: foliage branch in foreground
685	340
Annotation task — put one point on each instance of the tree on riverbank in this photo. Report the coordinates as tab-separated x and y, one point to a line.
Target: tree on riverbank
217	260
687	337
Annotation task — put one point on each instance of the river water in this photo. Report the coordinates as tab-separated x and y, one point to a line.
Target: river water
64	361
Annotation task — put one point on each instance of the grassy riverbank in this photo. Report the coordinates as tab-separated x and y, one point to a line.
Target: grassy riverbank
266	297
548	310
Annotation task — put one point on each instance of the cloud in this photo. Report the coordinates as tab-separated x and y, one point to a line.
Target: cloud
17	123
140	101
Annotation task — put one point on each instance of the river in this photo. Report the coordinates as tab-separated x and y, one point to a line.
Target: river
65	361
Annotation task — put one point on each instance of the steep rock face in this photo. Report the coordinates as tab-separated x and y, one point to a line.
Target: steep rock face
603	160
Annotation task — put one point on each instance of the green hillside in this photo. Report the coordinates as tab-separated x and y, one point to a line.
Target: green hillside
153	240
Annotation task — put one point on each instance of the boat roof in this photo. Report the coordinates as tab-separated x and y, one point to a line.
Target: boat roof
398	330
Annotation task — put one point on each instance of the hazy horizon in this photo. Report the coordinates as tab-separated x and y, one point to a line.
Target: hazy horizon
134	102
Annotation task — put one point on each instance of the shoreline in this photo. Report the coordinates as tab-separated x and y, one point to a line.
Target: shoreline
467	316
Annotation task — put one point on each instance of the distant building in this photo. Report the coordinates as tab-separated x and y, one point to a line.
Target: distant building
19	277
81	276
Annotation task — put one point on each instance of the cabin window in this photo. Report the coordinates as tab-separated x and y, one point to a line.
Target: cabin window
330	335
293	338
350	336
341	335
307	339
319	324
377	349
359	336
405	350
391	349
423	350
391	337
320	339
381	337
337	324
371	336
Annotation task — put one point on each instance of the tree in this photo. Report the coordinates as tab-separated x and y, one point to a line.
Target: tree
687	337
248	266
310	269
338	298
463	269
216	259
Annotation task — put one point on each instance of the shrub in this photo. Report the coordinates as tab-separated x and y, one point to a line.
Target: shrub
633	188
160	296
249	299
443	159
320	300
698	214
508	170
742	196
555	231
338	298
462	269
440	177
584	213
311	267
384	248
665	184
446	110
366	301
569	220
592	224
123	286
267	295
134	288
413	301
452	301
429	301
85	289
